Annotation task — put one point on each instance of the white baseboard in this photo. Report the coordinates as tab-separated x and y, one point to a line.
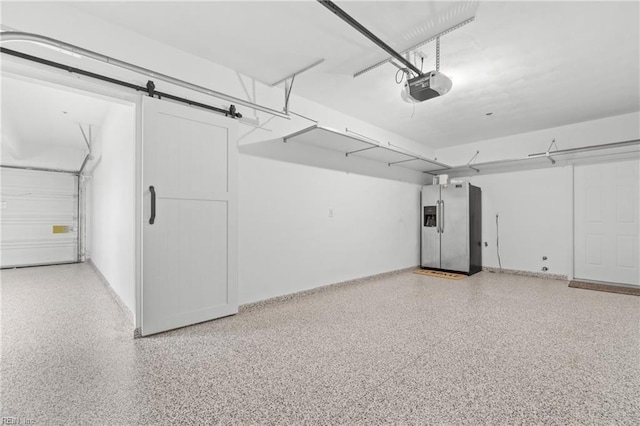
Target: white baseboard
253	305
115	296
525	273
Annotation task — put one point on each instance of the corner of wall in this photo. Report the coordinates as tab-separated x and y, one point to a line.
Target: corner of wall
123	306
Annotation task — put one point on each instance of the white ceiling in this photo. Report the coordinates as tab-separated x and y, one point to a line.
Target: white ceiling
533	65
44	114
41	124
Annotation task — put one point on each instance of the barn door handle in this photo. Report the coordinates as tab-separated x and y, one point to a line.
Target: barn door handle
153	205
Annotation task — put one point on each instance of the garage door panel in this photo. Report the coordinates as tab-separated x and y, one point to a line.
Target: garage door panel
39	220
38	253
26	207
37	231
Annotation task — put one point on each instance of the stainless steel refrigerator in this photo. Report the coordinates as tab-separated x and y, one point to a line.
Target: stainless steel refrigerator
452	227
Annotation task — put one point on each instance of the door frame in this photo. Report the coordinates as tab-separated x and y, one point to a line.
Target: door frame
44	75
571	246
572	233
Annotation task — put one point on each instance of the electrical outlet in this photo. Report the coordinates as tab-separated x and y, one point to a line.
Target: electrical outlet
545	269
486	244
544	257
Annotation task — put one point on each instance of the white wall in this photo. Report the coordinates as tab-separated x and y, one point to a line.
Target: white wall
289	242
375	227
112	198
535	207
265	271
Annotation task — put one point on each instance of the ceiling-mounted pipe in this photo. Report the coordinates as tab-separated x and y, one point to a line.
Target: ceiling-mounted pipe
36	38
368	34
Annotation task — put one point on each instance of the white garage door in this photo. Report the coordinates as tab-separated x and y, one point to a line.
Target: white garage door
39	217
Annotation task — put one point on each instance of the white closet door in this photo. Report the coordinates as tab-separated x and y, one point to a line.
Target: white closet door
190	249
606	222
39	217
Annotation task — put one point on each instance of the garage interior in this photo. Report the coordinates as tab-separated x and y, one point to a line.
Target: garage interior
213	215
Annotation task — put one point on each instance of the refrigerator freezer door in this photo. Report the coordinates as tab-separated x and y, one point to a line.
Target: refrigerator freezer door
430	225
454	224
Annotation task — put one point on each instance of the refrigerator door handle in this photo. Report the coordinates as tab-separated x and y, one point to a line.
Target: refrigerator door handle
438	217
442	218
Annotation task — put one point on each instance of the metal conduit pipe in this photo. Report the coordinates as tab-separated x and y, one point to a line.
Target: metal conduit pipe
36	38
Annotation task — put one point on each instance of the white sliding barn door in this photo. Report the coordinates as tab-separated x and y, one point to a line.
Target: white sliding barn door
606	222
190	249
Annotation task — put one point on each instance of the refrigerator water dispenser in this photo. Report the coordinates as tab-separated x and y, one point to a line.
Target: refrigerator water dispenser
429	216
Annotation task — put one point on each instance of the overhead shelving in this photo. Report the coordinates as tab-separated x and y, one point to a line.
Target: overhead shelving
352	145
593	153
355	145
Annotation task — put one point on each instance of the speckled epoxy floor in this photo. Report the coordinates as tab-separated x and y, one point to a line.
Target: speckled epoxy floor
404	348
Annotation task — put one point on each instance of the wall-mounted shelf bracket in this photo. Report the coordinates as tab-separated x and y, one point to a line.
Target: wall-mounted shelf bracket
550	158
360	150
473	158
88	140
553	142
300	71
402	161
